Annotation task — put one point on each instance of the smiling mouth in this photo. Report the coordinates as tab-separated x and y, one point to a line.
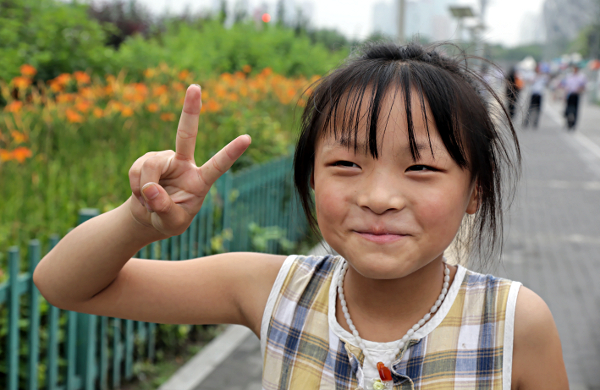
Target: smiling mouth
383	238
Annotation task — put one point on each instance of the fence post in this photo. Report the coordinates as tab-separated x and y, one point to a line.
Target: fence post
226	196
86	329
34	318
12	347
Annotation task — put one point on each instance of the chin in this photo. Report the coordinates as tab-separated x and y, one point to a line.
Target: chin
380	265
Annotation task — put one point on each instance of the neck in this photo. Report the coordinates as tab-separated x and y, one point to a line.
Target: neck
383	310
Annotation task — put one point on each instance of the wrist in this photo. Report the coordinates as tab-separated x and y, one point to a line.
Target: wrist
141	233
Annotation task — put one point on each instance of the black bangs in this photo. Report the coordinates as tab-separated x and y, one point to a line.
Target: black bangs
348	101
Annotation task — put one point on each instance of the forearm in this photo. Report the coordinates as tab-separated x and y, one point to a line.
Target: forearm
90	257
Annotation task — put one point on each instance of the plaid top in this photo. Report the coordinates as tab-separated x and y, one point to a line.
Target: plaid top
467	344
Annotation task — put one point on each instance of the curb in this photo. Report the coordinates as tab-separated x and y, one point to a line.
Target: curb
194	371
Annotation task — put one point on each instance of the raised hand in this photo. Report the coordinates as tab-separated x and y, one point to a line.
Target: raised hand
168	188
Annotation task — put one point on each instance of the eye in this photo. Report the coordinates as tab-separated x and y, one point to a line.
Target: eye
421	168
343	163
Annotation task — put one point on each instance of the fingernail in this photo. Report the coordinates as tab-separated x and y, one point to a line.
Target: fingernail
149	191
198	85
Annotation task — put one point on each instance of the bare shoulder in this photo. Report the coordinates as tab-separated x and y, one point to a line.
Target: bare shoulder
537	355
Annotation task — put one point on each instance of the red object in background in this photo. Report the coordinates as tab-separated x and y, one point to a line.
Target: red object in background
594	64
384	373
266	18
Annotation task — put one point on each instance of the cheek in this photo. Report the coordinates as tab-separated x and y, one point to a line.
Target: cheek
442	210
331	204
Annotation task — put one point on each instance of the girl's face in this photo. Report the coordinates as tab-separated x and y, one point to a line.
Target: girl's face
390	216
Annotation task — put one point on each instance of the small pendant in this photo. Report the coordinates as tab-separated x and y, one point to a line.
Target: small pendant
379	385
384	373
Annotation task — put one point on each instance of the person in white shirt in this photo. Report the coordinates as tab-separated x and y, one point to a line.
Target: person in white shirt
538	82
574	85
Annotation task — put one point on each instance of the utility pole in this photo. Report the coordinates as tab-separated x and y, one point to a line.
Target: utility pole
400	20
480	42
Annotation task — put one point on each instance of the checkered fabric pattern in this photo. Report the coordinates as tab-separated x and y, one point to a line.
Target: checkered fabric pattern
465	351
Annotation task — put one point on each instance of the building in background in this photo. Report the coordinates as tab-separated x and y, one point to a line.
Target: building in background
429	19
532	29
563	19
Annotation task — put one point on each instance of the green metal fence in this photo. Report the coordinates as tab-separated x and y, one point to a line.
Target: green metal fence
99	351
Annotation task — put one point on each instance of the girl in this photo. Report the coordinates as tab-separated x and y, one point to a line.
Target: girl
398	146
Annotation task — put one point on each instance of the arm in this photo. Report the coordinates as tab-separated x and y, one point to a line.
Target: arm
91	269
537	356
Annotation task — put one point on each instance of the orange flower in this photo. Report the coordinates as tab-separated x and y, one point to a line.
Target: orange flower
183	74
211	106
83	106
246	68
18	137
178	87
5	155
73	116
159	90
28	70
127	111
21	153
141	88
14	106
82	77
267	72
98	113
65	98
87	92
63	79
21	82
167	116
152	107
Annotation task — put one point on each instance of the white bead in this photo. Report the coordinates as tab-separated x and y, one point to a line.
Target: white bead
344	309
438	302
446	278
441	297
404	339
427	316
415	327
348	320
447	271
445	290
355	333
446	285
401	345
352	327
433	309
421	322
410	332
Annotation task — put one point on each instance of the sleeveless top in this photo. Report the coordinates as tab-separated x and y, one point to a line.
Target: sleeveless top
466	344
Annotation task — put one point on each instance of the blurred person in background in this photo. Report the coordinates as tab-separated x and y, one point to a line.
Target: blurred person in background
513	87
537	81
573	85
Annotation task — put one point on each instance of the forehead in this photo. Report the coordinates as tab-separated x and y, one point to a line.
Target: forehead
367	124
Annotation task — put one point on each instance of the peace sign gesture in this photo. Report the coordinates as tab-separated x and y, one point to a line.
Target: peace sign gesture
167	186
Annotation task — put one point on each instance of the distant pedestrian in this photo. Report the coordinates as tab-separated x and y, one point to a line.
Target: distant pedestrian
513	87
574	86
538	83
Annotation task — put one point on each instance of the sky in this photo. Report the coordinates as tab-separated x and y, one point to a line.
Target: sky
504	17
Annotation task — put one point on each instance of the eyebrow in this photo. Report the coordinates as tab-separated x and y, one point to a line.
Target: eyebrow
345	142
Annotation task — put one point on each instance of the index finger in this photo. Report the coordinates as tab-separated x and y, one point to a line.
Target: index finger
187	130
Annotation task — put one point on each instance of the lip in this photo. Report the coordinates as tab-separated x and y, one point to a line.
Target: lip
384	238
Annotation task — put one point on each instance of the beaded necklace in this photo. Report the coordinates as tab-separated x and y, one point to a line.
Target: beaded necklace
385	376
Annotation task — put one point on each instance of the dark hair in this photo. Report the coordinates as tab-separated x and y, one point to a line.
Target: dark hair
461	105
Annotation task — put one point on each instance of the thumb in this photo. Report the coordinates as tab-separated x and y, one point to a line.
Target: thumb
157	199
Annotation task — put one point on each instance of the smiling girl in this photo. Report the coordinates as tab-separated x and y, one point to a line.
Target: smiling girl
400	149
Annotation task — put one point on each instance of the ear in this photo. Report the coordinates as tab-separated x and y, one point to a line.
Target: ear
474	200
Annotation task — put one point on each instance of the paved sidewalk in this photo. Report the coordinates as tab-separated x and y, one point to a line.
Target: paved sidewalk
552	246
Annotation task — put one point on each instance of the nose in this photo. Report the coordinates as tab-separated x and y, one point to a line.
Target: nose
380	194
